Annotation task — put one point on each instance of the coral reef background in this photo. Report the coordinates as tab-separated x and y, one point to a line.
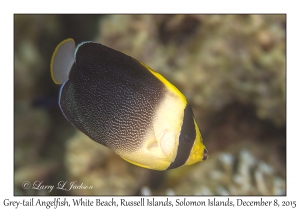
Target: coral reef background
232	68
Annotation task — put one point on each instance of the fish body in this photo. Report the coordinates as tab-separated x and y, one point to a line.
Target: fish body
124	105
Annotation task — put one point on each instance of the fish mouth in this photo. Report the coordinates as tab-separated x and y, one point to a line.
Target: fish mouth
205	154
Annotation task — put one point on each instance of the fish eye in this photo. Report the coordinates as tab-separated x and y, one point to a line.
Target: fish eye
186	138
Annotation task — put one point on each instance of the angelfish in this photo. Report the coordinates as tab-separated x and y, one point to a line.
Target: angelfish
124	105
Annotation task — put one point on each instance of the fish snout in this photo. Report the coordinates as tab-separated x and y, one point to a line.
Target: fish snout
205	154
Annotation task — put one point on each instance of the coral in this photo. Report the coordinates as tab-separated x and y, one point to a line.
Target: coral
94	165
240	171
217	61
236	172
214	59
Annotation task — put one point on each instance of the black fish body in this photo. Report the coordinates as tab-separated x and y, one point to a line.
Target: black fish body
121	103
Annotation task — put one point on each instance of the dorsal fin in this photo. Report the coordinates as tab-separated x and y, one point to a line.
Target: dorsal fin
62	61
